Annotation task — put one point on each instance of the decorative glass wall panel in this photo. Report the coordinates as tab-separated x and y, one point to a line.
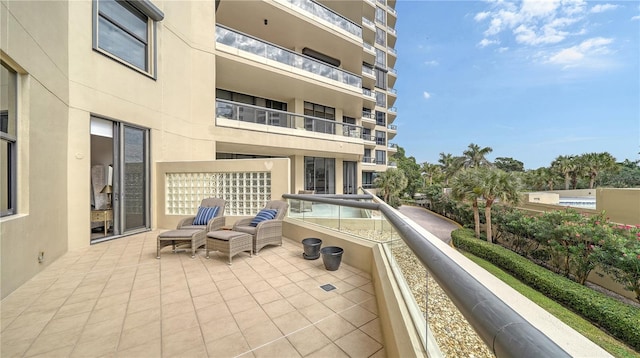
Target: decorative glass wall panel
245	192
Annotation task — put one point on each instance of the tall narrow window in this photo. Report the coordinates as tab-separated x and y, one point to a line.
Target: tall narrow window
320	175
125	29
381	157
8	139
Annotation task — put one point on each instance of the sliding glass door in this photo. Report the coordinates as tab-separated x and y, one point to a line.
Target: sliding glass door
134	193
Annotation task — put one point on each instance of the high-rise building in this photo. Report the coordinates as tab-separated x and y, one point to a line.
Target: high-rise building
96	93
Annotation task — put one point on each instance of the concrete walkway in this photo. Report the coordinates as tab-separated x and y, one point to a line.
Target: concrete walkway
435	224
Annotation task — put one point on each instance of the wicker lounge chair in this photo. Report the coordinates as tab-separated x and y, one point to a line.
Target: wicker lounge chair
216	223
267	232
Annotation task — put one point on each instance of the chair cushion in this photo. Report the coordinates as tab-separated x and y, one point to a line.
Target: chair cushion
246	229
205	213
264	214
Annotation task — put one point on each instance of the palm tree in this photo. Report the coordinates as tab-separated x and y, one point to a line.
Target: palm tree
564	165
595	163
450	166
465	187
390	183
474	156
430	171
496	184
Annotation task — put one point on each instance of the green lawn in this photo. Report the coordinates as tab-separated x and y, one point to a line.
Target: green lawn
571	319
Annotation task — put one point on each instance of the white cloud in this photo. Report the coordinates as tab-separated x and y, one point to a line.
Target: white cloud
486	42
431	63
481	16
426	95
539	8
602	8
576	55
503	49
635	18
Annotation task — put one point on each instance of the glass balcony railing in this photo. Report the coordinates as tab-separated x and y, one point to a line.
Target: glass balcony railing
369	47
391	31
368	137
368	23
392	11
328	15
368	70
367	115
392	51
393	146
393	110
381	141
272	52
392	71
392	127
369	160
271	117
392	90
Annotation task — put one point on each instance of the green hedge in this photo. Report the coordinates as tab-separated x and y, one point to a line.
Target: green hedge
620	320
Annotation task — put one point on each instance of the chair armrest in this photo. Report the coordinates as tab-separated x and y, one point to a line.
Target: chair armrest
243	222
216	223
267	224
185	221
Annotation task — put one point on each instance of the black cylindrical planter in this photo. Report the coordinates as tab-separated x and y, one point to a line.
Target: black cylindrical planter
311	248
331	256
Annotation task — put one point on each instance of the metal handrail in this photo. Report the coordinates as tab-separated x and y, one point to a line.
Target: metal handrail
502	329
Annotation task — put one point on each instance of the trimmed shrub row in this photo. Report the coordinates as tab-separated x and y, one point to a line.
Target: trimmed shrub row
620	320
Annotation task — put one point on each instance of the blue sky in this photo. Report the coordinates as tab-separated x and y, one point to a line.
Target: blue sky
531	79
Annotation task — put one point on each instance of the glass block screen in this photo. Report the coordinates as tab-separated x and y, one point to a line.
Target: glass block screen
245	192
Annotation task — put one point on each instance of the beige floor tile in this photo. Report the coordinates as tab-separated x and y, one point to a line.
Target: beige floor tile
316	312
258	286
370	305
181	341
278	281
381	353
180	322
280	348
228	346
141	318
251	317
267	296
208	299
143	304
338	303
308	340
356	280
227	284
291	322
177	308
75	308
99	315
23	332
277	308
71	324
373	330
107	301
213	312
357	295
335	327
133	337
219	328
50	342
5	321
357	344
301	300
289	289
202	289
242	303
357	315
14	347
175	296
330	350
151	349
101	346
261	334
30	319
145	292
198	351
233	292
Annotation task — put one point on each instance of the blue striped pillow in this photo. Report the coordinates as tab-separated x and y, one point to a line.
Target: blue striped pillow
205	213
264	214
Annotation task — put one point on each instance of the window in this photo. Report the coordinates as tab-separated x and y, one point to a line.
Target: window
249	114
8	139
381	58
319	111
381	118
381	15
381	78
367	180
125	30
381	157
381	99
319	175
381	138
381	37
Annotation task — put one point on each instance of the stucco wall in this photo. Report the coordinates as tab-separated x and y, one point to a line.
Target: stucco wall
620	205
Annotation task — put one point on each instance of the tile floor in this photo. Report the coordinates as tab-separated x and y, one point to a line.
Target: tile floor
115	299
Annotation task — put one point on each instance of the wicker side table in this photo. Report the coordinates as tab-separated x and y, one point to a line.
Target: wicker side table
229	242
195	237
